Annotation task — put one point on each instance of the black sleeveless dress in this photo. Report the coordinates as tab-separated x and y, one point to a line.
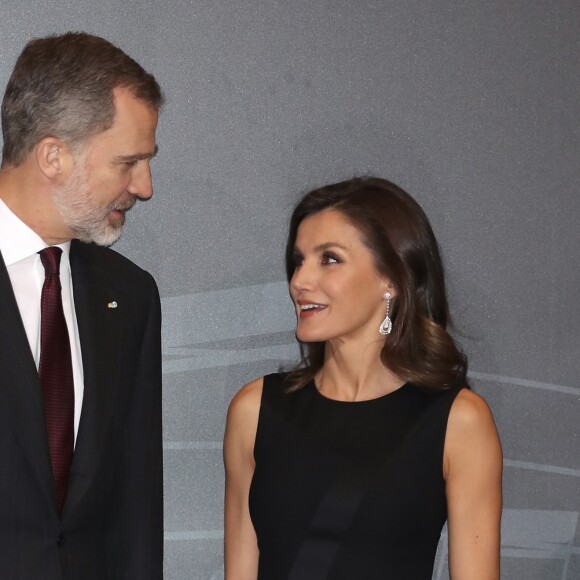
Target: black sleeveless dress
349	491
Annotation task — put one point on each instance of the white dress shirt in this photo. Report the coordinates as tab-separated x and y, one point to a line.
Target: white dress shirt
20	246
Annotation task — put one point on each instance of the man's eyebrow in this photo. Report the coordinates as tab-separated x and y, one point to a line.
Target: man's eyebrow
137	156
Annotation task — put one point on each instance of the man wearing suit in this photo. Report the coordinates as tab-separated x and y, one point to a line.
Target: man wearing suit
80	369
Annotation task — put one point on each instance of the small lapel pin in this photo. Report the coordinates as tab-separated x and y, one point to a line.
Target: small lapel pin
112	304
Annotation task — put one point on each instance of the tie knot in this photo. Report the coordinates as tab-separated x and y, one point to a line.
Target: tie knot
50	258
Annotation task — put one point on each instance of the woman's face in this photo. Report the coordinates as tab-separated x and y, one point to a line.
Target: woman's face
336	289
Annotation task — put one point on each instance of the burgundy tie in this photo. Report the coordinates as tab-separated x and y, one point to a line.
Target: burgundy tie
56	376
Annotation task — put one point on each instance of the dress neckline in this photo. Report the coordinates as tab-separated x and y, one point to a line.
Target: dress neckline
319	395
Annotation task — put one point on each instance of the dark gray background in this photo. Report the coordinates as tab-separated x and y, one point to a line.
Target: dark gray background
472	107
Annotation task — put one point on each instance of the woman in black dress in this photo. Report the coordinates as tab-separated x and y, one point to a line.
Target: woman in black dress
347	467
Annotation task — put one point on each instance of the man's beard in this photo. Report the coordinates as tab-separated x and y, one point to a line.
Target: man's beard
83	216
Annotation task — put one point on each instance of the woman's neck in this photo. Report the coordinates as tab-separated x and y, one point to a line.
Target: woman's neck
354	372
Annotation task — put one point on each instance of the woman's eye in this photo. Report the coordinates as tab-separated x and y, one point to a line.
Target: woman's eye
297	260
328	258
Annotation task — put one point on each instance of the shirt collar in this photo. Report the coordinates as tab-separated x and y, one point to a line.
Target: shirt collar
17	240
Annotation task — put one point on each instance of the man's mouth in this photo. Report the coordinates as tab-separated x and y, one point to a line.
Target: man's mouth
119	210
124	206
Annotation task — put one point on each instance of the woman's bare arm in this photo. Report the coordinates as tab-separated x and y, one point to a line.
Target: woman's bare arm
473	470
241	549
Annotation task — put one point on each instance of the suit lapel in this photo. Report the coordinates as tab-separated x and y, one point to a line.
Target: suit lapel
100	332
20	388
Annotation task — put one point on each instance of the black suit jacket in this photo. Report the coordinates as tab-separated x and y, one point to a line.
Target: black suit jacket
111	526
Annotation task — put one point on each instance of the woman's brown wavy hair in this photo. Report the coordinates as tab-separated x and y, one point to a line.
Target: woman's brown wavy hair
397	232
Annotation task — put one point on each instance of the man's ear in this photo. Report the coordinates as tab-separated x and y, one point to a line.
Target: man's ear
53	158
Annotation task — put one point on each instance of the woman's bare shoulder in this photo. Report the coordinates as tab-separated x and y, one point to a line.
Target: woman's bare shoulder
471	434
246	402
470	412
241	425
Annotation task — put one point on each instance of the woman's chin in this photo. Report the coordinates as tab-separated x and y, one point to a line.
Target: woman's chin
309	336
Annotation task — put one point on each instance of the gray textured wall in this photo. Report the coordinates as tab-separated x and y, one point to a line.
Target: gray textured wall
473	107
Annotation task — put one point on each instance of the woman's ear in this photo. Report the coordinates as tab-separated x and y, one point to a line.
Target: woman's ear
390	288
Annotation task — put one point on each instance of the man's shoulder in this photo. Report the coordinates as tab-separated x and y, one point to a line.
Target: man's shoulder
107	260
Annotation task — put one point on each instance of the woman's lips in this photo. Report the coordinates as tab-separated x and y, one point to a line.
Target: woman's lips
309	309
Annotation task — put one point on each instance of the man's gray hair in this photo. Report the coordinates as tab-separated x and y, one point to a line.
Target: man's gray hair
62	86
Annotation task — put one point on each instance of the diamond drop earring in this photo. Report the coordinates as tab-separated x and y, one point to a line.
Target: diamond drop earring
387	324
